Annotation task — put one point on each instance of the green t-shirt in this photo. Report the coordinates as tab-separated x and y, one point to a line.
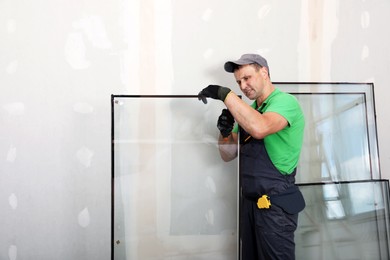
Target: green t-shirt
283	147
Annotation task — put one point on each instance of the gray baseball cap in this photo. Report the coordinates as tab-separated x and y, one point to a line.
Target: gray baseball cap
230	66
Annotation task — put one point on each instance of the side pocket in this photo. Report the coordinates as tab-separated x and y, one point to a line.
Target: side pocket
291	201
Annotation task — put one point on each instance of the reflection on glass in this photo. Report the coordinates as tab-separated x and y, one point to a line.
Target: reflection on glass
334	209
174	196
347	220
340	142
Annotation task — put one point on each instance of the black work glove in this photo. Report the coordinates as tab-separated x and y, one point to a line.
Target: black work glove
225	123
213	91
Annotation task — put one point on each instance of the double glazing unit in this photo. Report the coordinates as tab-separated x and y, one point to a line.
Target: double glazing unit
174	198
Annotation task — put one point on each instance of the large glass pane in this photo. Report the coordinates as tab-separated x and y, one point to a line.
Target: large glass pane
344	220
340	142
174	198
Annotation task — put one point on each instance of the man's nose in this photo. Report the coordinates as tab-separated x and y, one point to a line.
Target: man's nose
243	85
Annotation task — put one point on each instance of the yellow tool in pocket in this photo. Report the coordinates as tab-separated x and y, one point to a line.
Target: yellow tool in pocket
263	202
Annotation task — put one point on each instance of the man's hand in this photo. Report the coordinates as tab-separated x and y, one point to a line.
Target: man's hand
225	123
213	91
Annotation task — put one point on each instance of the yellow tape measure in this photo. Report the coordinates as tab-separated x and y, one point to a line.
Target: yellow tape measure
263	202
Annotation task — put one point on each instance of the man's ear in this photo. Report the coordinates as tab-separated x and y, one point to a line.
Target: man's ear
264	71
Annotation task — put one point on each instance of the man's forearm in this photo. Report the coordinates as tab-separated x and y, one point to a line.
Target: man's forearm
228	147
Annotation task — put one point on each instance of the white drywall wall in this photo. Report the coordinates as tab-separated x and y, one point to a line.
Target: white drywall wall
61	61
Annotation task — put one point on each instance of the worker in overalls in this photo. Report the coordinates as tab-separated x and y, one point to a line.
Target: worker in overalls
271	136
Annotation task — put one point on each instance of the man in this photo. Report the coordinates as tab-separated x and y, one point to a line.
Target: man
271	135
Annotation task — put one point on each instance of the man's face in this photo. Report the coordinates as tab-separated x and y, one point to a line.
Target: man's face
251	80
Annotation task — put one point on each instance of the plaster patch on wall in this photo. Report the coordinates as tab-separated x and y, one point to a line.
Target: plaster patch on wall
83	108
13	201
84	156
210	184
12	252
365	52
264	11
11	155
208	53
207	15
95	30
11	26
319	26
12	67
365	20
75	51
210	217
15	108
84	218
163	33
